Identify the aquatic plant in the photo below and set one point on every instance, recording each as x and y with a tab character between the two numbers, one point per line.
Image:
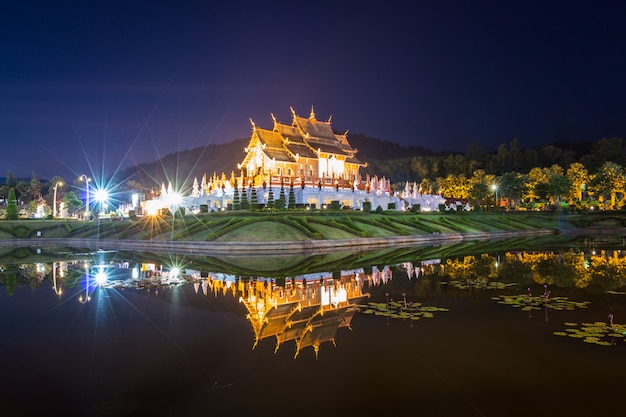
526	302
400	310
598	333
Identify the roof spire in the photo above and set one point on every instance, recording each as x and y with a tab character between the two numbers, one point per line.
312	115
293	113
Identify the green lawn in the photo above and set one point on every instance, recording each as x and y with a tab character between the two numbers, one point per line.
290	226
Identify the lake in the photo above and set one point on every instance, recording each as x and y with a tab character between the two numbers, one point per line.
484	329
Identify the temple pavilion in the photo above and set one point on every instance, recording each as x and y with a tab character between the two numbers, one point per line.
307	159
306	151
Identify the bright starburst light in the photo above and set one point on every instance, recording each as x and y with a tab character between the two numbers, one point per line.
101	276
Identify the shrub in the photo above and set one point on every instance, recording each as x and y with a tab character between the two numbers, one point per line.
11	213
280	203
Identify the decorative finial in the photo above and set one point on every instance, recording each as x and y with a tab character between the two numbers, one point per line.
293	113
312	115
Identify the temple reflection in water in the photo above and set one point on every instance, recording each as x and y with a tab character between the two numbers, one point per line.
307	309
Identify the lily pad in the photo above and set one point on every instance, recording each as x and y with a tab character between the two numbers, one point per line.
479	284
597	333
528	303
400	310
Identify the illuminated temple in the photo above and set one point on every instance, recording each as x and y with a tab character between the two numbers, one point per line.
307	311
306	158
307	151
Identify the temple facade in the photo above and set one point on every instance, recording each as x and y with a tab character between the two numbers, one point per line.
306	151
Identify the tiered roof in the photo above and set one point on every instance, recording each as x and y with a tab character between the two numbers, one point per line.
305	137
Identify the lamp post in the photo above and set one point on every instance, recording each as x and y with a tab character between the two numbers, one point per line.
494	187
86	179
54	203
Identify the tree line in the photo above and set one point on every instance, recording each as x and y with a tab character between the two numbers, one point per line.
586	175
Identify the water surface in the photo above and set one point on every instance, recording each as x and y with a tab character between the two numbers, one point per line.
187	348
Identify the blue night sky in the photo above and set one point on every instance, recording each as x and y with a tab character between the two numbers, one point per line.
91	86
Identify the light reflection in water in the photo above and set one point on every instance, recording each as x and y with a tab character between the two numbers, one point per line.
308	309
449	317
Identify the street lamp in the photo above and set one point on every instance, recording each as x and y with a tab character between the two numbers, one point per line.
54	204
102	197
494	187
86	179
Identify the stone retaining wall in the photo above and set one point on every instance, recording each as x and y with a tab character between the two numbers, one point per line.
303	247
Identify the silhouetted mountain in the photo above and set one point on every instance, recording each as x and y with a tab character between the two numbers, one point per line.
180	168
372	149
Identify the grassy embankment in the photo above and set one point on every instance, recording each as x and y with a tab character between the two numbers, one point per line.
298	226
289	226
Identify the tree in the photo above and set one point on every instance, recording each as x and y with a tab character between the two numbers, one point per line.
579	177
236	196
480	186
455	164
453	186
35	187
11	213
535	176
10	183
420	166
245	204
49	197
604	150
426	186
254	199
559	186
548	184
281	202
608	181
476	156
512	186
270	198
21	192
72	202
292	197
11	180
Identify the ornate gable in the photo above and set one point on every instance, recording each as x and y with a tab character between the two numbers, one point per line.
282	148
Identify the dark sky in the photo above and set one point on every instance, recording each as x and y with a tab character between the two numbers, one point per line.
87	87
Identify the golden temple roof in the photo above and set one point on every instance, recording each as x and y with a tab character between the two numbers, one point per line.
305	137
